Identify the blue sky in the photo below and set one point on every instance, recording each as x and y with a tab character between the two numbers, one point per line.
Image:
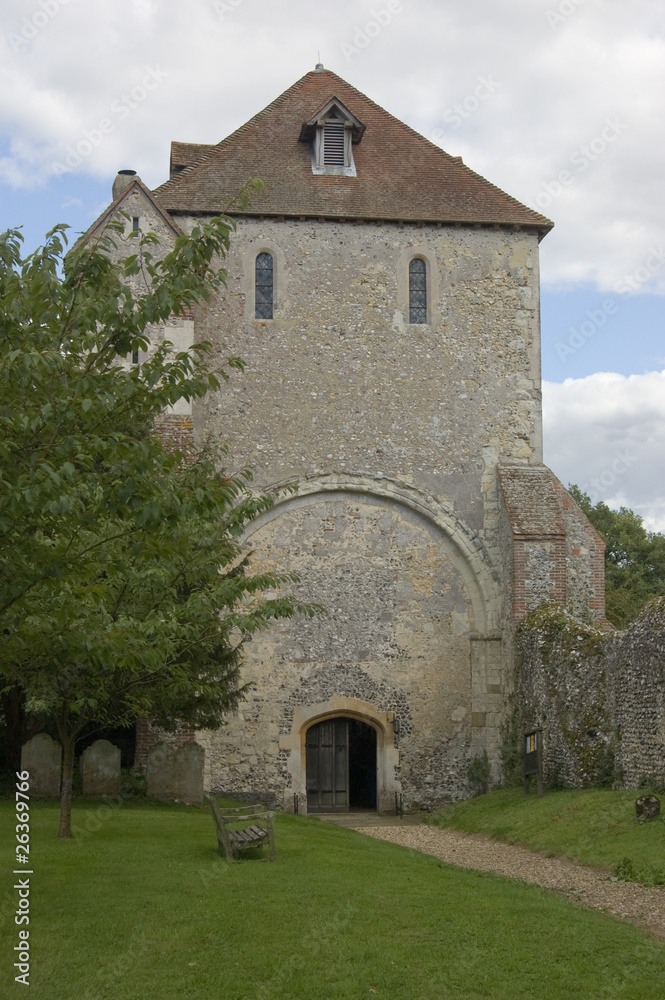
558	102
617	333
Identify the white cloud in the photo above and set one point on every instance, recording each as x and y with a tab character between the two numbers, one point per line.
606	433
559	86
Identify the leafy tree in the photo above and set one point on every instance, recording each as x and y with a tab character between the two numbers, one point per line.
123	587
634	558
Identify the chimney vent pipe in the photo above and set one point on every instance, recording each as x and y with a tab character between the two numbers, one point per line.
122	181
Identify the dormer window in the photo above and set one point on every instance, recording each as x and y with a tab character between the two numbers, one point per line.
331	135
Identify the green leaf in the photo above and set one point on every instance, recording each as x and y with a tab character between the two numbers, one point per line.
123	591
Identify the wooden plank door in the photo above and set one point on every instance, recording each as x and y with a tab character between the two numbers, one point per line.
327	750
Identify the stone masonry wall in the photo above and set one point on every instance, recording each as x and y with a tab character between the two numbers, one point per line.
585	561
556	555
339	381
560	687
396	636
636	681
599	697
175	426
339	384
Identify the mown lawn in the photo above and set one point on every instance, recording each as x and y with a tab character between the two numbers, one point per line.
594	827
143	907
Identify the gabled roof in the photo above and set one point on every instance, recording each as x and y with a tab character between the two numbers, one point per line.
116	206
333	106
400	174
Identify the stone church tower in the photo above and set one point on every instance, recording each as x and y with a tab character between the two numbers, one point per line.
385	299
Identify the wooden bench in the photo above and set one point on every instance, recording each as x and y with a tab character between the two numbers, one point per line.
232	840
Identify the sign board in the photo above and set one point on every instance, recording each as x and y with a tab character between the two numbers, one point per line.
533	759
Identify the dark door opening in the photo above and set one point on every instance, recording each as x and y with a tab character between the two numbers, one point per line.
341	766
362	765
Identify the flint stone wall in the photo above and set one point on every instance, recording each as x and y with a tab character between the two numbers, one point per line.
340	385
401	635
636	674
599	697
339	381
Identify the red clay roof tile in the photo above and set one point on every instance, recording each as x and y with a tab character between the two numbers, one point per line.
400	174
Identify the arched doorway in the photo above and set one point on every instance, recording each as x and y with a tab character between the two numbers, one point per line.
341	765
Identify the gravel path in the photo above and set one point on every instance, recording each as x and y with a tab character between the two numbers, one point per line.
587	886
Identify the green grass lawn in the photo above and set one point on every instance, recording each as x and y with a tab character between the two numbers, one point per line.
143	907
595	827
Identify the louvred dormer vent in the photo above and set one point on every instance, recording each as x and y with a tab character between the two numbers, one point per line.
331	135
333	143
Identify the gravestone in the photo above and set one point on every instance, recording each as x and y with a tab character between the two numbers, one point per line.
42	758
647	807
175	775
100	769
159	772
188	773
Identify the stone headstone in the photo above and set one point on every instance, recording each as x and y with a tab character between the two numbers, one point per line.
175	775
159	772
100	769
42	758
188	773
647	807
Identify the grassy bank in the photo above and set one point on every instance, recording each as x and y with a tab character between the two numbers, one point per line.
143	907
595	827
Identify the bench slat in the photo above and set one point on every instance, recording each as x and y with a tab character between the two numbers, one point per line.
244	836
233	841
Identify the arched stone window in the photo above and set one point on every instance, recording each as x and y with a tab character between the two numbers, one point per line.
263	286
417	291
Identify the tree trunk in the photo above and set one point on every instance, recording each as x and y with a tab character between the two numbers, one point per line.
68	744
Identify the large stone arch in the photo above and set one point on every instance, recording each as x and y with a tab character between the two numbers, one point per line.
464	545
432	660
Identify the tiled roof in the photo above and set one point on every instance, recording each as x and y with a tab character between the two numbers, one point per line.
400	174
186	154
